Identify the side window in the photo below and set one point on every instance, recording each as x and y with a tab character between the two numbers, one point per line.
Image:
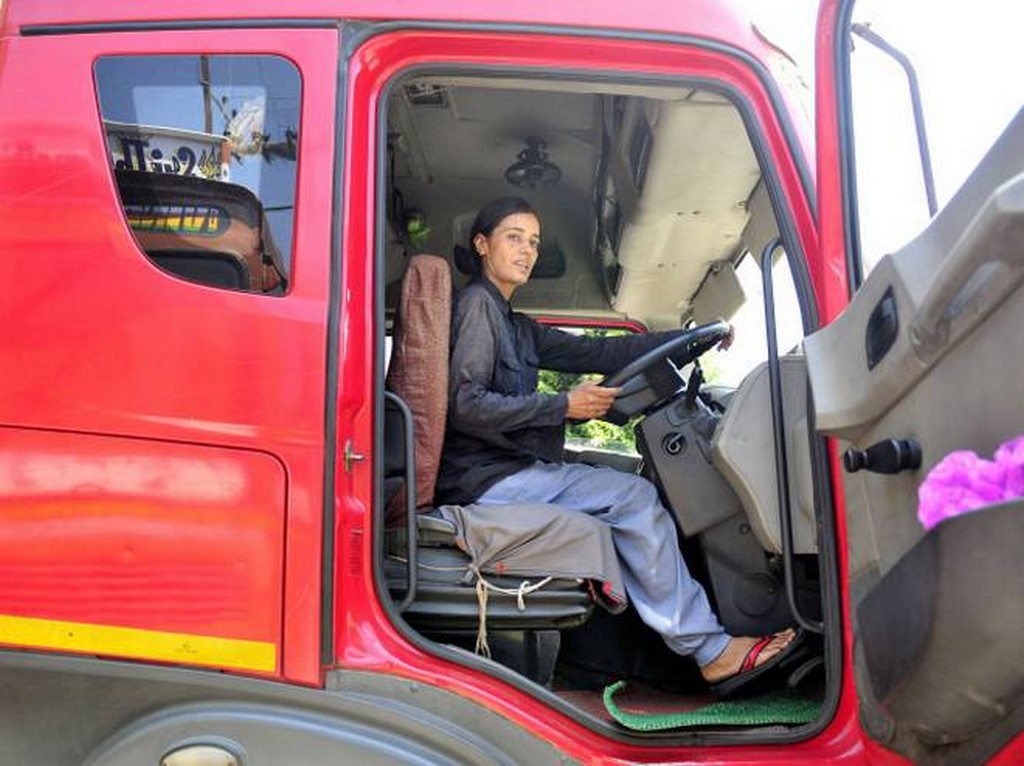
203	149
750	347
965	104
590	434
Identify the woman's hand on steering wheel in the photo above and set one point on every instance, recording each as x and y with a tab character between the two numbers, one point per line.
589	400
650	379
682	349
728	339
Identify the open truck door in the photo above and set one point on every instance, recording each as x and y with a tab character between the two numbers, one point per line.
924	361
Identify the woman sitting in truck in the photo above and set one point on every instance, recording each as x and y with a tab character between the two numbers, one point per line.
504	444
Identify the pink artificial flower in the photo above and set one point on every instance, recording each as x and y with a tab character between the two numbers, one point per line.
962	481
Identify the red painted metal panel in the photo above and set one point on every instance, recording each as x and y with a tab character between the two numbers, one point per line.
103	342
715	19
830	267
1010	755
142	534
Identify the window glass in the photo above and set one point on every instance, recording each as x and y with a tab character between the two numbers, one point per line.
204	151
750	346
590	434
961	58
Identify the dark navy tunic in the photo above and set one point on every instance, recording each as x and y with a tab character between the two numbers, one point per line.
497	421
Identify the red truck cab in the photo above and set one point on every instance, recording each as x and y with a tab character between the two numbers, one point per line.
207	215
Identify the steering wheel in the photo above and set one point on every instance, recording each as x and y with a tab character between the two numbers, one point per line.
652	378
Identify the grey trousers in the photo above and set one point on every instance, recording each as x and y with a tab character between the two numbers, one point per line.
667	598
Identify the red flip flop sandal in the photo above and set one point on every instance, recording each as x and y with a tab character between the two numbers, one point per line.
750	671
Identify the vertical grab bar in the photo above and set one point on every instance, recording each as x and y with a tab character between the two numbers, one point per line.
779	436
409	445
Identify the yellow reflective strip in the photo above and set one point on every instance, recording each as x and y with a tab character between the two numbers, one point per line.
137	643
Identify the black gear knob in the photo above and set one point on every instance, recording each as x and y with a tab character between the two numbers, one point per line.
887	456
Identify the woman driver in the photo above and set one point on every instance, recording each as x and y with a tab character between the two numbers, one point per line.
504	444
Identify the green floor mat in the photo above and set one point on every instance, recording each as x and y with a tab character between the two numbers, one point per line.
777	707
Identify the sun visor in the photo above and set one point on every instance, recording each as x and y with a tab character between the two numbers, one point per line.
720	295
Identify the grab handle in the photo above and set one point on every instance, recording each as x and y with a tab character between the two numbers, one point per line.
779	441
985	265
409	446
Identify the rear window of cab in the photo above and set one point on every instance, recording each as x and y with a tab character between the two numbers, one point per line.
204	152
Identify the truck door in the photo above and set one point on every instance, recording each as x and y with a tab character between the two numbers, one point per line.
162	444
918	381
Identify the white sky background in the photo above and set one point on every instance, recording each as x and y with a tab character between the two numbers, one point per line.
970	65
969	59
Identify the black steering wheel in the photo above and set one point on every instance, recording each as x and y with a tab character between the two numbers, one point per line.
652	378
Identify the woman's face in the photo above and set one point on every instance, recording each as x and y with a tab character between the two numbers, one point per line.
509	253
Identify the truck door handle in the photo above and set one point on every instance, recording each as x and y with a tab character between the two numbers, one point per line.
882	330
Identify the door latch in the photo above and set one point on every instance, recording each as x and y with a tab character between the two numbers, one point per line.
351	456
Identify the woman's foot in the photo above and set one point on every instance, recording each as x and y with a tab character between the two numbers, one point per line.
731	660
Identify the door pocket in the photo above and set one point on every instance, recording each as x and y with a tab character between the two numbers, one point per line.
940	633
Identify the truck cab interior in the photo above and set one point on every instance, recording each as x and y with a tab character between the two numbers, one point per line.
657	212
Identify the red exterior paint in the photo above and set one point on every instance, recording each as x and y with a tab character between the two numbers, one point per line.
713	19
829	269
95	527
236	371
